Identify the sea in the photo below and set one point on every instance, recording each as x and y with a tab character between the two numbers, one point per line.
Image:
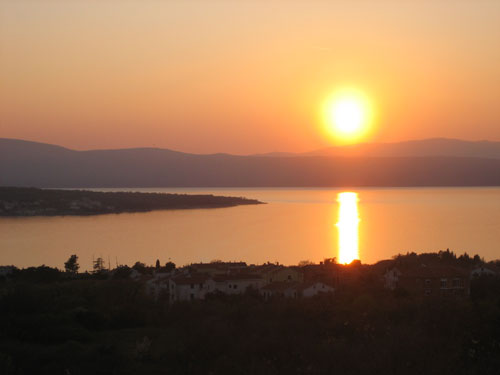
295	224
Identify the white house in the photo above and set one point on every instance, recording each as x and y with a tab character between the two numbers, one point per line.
280	289
237	283
314	288
484	270
295	290
158	285
191	287
391	278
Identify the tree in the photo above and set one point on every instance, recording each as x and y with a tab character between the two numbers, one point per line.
157	264
122	272
169	266
303	263
98	265
330	261
140	267
40	274
477	259
71	265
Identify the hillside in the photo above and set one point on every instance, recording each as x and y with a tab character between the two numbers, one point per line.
24	163
437	147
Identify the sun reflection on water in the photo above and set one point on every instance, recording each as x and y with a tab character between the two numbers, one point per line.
348	223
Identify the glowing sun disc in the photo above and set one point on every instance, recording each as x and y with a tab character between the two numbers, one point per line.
347	115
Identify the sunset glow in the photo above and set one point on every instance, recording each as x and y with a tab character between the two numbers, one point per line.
348	223
242	78
274	181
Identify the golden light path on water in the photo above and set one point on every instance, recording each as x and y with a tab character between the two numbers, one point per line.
348	223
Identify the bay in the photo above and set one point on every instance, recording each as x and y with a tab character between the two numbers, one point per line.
295	225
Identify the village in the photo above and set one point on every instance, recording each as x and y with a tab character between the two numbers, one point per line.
441	274
197	280
147	316
429	275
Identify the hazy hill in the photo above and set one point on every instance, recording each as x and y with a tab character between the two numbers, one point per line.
416	163
419	148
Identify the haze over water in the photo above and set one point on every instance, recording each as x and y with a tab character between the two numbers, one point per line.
295	225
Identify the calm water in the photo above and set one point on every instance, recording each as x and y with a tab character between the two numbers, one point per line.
295	225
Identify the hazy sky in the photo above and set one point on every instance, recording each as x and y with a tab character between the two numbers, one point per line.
244	76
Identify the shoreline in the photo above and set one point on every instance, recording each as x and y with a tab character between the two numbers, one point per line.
35	202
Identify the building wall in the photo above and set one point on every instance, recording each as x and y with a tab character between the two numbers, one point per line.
238	286
436	286
483	271
195	290
284	274
287	293
391	278
157	286
316	289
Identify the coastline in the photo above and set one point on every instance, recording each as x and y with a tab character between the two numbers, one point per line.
28	202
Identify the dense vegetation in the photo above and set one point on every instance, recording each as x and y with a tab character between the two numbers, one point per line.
55	323
15	201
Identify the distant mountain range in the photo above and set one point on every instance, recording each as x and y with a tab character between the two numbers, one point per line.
422	148
432	162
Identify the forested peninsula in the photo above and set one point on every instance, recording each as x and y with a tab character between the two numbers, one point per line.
17	201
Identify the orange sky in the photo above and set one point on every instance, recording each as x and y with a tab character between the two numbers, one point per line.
244	76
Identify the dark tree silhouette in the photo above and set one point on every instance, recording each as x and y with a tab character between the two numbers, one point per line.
71	265
169	266
122	272
98	265
140	267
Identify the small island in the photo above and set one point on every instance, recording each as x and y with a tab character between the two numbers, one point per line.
20	201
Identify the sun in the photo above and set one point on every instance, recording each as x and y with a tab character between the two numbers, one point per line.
347	115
